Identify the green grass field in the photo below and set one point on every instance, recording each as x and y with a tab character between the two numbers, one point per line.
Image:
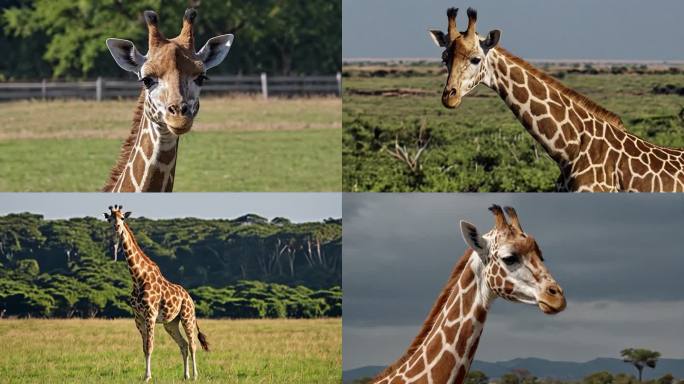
110	351
237	144
480	146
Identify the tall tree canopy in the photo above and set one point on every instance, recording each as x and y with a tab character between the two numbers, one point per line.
66	38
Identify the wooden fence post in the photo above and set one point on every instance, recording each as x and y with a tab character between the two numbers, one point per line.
98	89
43	89
264	86
339	84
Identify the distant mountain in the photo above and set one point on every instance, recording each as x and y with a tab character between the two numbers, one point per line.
564	370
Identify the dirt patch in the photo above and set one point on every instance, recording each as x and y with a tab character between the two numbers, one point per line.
392	92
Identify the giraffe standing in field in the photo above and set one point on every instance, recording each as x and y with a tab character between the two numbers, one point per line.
156	300
589	144
172	74
504	262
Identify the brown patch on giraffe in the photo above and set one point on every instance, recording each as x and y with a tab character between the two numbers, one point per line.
468	298
397	380
559	143
480	314
527	120
416	370
572	150
575	121
597	150
471	353
156	180
127	183
464	337
434	346
467	278
502	90
460	376
580	112
637	166
557	111
434	313
498	281
536	87
547	127
442	369
166	157
568	132
642	145
515	108
503	69
520	94
655	163
555	85
508	287
612	139
630	147
146	145
660	154
537	109
668	182
451	332
517	75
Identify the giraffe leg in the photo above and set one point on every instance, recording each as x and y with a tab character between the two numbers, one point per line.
188	322
174	331
149	343
140	324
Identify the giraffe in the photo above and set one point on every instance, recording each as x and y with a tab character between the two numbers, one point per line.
504	262
589	143
156	300
172	74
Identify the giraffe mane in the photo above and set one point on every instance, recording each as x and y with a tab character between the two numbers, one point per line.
583	101
128	144
141	253
432	317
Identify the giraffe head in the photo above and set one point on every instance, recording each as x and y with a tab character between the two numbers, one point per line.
464	55
513	264
116	218
172	72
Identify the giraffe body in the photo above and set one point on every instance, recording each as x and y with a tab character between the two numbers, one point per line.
172	74
506	263
155	300
589	143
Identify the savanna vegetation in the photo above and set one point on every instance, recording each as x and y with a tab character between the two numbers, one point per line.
65	38
273	351
248	267
397	136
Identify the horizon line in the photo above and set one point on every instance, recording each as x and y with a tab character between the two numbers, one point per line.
537	60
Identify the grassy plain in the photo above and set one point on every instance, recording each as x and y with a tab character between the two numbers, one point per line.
236	144
480	146
110	351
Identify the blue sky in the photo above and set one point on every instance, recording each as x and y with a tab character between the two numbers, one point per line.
532	29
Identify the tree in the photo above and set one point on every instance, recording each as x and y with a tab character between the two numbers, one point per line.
599	378
640	358
476	377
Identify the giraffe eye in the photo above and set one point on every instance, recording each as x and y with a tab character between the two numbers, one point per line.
200	80
148	82
510	260
475	60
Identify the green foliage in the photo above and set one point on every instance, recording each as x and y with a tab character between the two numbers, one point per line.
275	36
479	147
476	377
640	358
599	378
64	268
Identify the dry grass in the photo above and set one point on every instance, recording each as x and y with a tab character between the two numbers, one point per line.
111	119
109	351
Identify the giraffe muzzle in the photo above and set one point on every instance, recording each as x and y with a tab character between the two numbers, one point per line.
552	300
450	98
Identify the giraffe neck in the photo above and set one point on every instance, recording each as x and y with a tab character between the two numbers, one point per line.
139	265
148	157
558	118
444	349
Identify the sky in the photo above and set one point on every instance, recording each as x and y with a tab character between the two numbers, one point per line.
618	258
531	29
298	207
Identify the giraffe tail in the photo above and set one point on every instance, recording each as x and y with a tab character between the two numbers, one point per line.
202	338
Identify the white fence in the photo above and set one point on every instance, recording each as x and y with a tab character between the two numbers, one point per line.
101	89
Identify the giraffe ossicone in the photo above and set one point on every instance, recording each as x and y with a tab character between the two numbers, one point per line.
172	74
593	150
504	262
156	300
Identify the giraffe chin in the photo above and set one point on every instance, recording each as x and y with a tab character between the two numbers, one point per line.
179	126
551	310
451	102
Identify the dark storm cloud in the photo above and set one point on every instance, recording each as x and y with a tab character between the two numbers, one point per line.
618	258
541	29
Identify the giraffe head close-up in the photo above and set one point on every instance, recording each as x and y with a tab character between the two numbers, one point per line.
465	56
172	72
514	268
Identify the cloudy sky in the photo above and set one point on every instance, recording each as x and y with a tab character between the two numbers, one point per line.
298	207
619	259
533	29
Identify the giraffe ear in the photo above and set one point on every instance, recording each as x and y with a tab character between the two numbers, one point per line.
126	55
491	41
474	240
215	50
438	37
126	215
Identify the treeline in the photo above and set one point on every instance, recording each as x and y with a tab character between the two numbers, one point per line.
65	38
520	377
65	268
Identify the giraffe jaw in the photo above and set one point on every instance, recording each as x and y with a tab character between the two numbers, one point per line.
551	309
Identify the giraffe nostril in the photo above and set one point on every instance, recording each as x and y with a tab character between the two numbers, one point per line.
452	92
553	291
184	109
172	109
